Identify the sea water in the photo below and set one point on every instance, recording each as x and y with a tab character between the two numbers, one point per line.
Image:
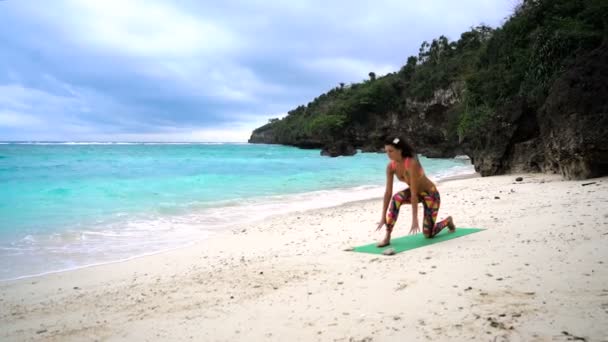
69	205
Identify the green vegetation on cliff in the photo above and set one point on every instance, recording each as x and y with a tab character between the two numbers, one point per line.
486	70
525	56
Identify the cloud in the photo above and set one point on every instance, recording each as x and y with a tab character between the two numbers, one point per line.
144	28
222	81
347	67
189	70
32	105
230	134
13	119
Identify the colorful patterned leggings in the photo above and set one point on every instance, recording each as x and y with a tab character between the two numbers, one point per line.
430	201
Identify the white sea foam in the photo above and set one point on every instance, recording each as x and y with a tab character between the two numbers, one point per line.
455	171
29	239
127	237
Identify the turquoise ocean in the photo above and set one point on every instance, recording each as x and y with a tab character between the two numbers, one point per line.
70	205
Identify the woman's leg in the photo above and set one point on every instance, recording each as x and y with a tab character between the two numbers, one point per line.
392	214
431	202
399	198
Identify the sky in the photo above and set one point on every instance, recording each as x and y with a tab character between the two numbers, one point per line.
200	71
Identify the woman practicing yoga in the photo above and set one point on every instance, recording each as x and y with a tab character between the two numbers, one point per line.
405	165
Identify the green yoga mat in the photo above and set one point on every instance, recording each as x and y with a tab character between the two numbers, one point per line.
408	242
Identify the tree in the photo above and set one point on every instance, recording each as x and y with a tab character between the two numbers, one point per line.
423	52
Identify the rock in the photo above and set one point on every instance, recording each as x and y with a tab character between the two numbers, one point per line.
365	339
574	121
389	251
566	132
518	179
507	140
263	135
338	149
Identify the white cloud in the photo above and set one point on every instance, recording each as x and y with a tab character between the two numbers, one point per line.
33	114
17	98
350	69
238	133
30	108
222	81
18	120
148	29
263	56
240	84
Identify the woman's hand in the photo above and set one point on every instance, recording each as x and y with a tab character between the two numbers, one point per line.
381	224
415	228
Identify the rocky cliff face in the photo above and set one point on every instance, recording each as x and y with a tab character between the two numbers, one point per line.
509	143
425	124
568	134
574	119
263	135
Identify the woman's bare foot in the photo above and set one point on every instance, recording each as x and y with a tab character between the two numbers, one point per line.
385	242
451	225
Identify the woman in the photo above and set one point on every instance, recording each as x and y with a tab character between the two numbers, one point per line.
405	165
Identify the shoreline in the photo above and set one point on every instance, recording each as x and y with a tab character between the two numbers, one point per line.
459	177
311	202
538	267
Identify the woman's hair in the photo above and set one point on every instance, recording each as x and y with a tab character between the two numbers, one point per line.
401	144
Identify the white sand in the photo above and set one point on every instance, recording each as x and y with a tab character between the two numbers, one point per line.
538	273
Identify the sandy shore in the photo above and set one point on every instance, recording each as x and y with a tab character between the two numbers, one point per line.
538	273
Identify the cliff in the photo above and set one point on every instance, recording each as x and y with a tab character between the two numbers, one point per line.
567	134
531	96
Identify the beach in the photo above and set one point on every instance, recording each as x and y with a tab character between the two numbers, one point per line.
536	273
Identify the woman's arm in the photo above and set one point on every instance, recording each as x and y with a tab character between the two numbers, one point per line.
388	193
414	171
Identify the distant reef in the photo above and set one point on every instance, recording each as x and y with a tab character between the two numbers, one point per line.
530	96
